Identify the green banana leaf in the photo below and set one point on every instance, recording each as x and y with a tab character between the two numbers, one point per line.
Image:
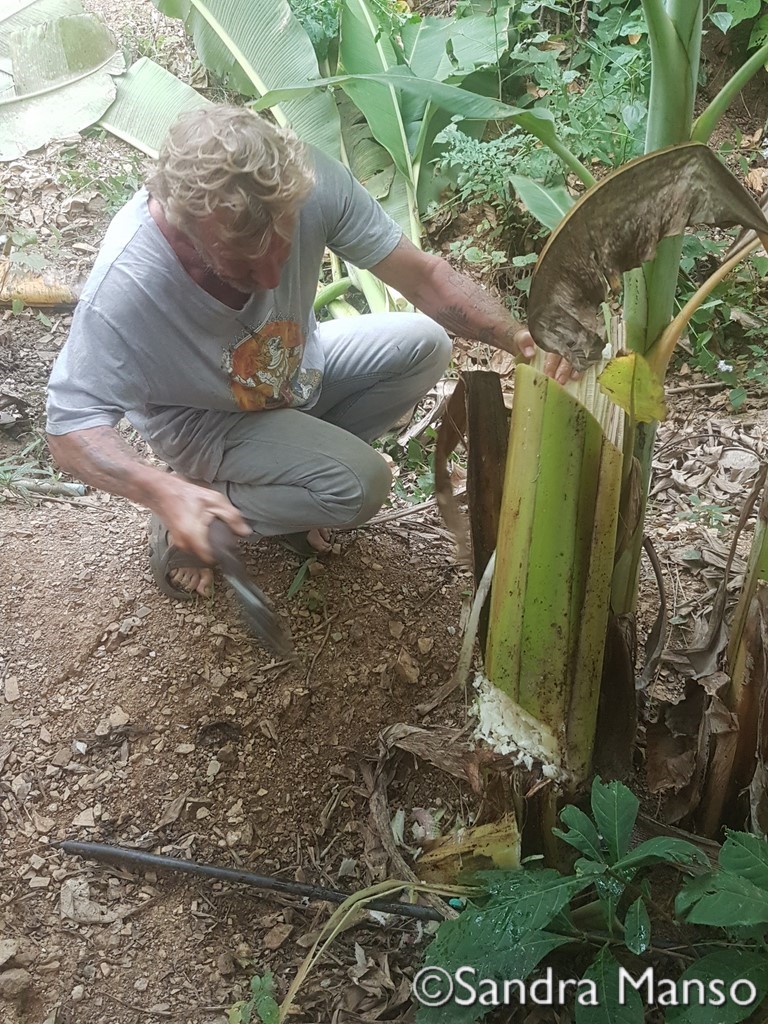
148	101
547	203
447	48
369	161
63	81
19	15
267	44
365	50
538	121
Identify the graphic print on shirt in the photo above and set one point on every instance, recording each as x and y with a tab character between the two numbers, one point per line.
264	367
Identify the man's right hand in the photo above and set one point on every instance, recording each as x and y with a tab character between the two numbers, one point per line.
187	510
101	458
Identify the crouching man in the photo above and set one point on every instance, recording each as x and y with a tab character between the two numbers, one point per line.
196	323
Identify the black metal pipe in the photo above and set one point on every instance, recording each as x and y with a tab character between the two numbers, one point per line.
123	855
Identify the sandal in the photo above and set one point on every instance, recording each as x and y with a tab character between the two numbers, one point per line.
298	544
164	557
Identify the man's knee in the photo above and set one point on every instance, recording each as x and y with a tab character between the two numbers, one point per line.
432	343
374	479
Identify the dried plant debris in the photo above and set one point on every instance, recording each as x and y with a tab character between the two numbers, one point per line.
617	226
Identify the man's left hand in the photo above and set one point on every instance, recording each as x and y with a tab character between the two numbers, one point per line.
555	366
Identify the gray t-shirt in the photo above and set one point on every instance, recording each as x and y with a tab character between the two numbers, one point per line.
149	343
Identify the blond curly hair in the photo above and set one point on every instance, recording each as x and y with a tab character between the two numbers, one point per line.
226	158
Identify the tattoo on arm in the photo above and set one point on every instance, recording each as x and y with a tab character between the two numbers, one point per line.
455	320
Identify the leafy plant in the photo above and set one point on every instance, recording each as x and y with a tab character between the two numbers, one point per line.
707	513
596	85
320	20
21	242
24	472
260	1007
415	479
729	14
116	187
605	921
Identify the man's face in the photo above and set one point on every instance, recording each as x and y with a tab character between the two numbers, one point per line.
246	274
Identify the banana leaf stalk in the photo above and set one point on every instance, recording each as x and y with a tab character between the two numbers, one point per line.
743	766
554	560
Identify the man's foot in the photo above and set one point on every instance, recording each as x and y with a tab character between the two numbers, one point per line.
317	541
320	540
178	573
192	581
197	580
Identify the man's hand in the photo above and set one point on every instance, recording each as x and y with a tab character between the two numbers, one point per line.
100	457
188	509
522	341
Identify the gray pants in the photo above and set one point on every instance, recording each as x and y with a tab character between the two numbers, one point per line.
288	470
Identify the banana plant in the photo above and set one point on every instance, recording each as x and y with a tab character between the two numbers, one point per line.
627	229
560	528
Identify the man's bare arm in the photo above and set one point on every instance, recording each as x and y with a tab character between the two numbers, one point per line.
101	458
458	304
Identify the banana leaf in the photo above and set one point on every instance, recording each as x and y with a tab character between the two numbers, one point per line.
617	226
19	15
149	99
260	46
365	49
63	81
470	106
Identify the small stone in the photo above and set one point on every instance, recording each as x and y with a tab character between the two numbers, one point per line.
214	767
14	983
8	950
118	717
39	882
141	984
11	690
202	812
184	748
406	669
425	644
396	628
225	964
85	819
276	936
77	993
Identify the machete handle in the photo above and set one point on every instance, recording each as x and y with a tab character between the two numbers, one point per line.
223	544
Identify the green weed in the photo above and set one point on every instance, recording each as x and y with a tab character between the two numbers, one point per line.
81	175
28	464
260	1007
718	517
415	481
607	915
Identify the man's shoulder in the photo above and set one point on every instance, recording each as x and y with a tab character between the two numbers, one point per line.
128	247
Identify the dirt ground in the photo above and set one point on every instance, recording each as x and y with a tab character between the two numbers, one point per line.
128	719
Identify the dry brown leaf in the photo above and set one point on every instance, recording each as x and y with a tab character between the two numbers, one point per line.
483	847
617	226
276	936
444	748
172	810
